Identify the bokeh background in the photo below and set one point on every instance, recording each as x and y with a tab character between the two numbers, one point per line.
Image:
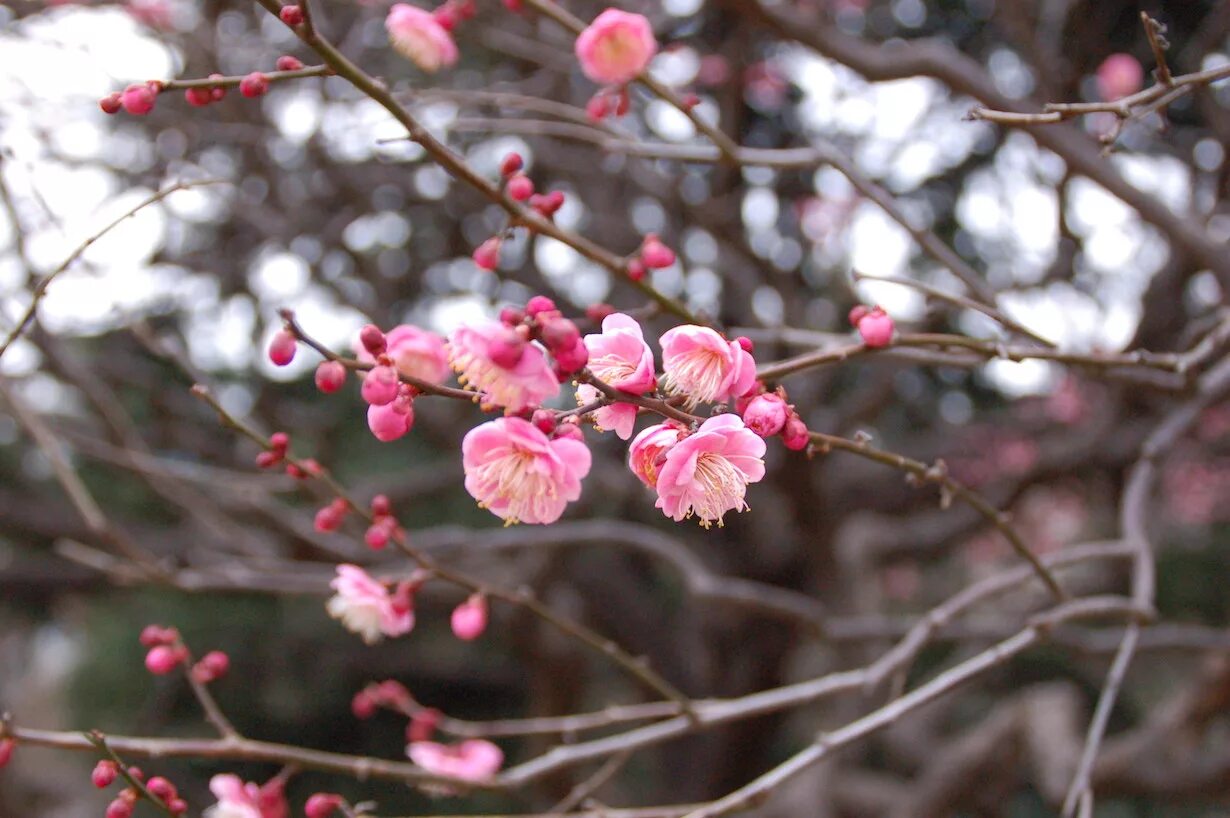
326	211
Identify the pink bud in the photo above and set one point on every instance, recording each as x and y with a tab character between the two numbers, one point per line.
876	327
571	430
363	705
423	724
219	91
794	434
746	343
766	414
162	660
373	339
547	204
104	774
162	789
560	334
282	348
291	15
279	442
330	517
378	533
469	619
597	312
544	419
573	359
690	101
199	97
506	350
177	806
445	17
254	85
1118	76
212	666
381	507
520	188
322	805
487	254
511	316
390	421
267	460
857	313
380	385
288	63
538	305
599	106
154	635
655	254
636	269
330	376
119	808
310	468
111	103
6	751
511	164
138	99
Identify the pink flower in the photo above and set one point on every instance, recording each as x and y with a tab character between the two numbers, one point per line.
235	798
366	607
619	355
418	353
648	451
619	418
704	366
616	47
418	36
876	328
472	760
520	475
706	474
526	382
1118	76
766	414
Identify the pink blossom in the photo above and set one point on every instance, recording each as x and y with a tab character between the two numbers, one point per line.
391	421
528	382
472	760
619	418
619	355
519	474
1118	76
706	474
647	454
418	36
366	607
469	619
616	47
766	414
417	353
235	798
876	328
704	366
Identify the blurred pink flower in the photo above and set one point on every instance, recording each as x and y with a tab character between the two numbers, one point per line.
472	760
615	47
418	36
520	475
235	798
706	474
1118	76
522	382
366	607
704	366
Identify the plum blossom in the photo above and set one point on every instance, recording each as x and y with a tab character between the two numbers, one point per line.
619	418
235	798
418	36
366	607
472	760
1118	76
615	47
704	366
648	451
706	474
416	353
480	355
519	474
619	355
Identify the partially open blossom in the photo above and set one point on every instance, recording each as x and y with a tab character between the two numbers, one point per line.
766	414
528	382
615	47
706	473
520	475
1118	76
469	619
415	352
648	451
418	36
366	607
703	366
619	418
619	355
138	99
876	328
472	760
392	420
236	799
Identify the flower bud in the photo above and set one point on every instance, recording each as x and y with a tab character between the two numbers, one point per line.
291	15
6	751
876	328
330	376
469	619
279	442
506	350
282	348
322	805
330	517
104	774
560	334
111	103
254	85
857	313
373	339
198	97
636	269
138	99
162	659
212	666
538	305
511	164
363	705
520	188
422	724
511	316
487	254
119	808
573	359
380	385
655	254
766	414
794	434
597	312
162	789
154	635
544	419
288	63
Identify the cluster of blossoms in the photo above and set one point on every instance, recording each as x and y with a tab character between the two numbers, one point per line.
139	98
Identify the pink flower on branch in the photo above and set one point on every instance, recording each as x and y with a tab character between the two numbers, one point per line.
366	607
615	47
235	798
648	452
418	36
706	474
519	474
417	353
617	417
515	376
704	366
471	760
619	355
